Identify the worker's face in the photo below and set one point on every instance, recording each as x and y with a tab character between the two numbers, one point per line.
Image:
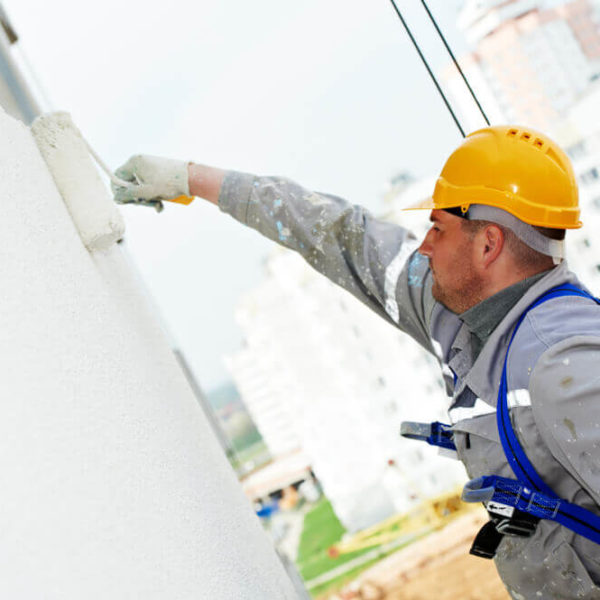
450	250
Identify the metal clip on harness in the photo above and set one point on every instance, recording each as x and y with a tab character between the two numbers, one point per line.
504	499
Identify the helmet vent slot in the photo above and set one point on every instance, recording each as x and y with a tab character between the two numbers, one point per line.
525	136
538	143
512	132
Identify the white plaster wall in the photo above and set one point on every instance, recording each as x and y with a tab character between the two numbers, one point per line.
111	483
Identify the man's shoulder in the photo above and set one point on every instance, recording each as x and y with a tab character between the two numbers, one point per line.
562	318
559	321
558	317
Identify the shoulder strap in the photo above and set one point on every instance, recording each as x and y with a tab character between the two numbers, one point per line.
518	460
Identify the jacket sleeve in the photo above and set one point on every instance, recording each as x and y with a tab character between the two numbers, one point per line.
374	260
565	397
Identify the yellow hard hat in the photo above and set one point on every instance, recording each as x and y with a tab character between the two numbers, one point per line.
513	168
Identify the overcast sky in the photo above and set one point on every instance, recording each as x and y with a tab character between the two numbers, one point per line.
328	92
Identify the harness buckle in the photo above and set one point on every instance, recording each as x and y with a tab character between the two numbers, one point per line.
488	538
520	524
486	541
441	435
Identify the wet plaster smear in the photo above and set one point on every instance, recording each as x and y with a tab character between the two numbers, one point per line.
112	483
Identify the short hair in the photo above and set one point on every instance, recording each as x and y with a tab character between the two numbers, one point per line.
523	254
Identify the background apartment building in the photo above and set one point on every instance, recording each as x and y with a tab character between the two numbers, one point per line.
530	59
322	372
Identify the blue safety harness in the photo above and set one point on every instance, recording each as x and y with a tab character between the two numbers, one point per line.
527	499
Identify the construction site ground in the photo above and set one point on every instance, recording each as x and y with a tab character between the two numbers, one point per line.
438	566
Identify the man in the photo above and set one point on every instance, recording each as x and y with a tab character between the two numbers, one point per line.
499	213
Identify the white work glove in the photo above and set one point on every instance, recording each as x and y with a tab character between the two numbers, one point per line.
148	180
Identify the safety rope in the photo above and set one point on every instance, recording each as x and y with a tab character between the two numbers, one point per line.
455	61
435	81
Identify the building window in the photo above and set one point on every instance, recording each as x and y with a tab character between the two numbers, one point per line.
576	150
590	176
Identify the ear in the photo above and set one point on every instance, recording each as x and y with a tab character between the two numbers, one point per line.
490	245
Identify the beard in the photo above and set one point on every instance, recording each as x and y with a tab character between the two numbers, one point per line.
462	288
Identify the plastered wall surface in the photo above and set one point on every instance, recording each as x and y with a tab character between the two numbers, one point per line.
112	484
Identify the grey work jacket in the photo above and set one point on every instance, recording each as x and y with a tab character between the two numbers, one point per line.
553	367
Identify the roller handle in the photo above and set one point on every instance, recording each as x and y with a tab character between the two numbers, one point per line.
182	200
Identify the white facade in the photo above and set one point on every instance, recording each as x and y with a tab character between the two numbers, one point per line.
342	380
113	485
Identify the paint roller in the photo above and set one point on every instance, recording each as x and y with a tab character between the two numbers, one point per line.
67	155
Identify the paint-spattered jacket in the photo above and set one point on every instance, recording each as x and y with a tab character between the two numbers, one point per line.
553	366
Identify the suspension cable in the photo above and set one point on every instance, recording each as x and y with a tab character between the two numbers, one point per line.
437	85
455	61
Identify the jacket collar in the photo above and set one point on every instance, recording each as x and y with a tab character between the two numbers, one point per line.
483	376
485	316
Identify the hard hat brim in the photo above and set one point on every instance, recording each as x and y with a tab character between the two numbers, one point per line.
529	212
427	204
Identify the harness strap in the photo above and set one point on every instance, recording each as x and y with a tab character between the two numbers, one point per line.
528	496
435	434
530	493
508	492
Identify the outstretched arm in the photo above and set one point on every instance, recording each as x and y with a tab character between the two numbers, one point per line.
205	182
373	259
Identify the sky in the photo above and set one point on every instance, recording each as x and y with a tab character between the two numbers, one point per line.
328	92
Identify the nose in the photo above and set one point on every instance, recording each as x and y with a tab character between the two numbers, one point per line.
426	248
